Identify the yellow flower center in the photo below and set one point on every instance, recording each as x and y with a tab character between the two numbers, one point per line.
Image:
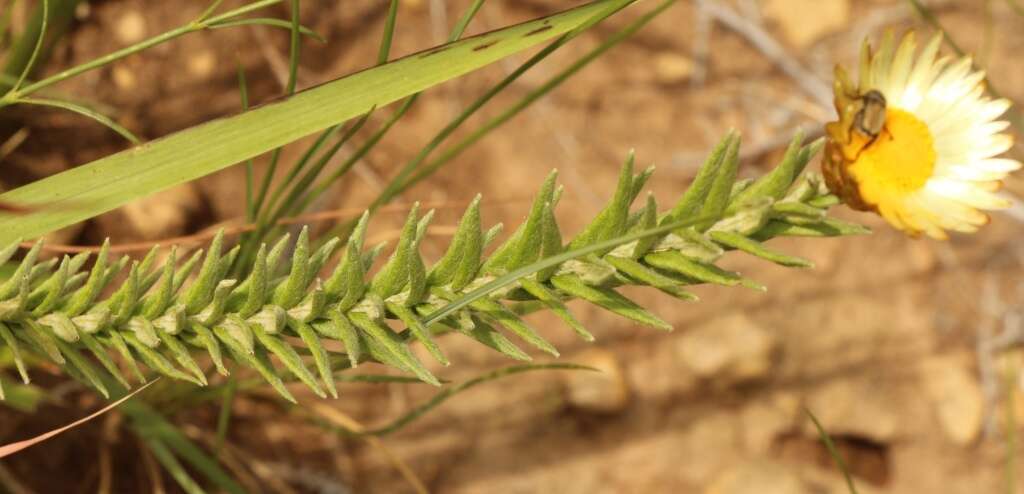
898	162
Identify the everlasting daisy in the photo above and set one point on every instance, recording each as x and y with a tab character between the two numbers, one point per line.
917	141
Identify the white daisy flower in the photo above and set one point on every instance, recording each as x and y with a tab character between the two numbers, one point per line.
917	141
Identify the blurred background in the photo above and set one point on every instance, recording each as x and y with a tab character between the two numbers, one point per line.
906	350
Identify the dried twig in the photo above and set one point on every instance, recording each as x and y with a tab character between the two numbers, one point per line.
766	44
703	27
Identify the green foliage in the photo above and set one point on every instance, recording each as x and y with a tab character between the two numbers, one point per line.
155	317
112	181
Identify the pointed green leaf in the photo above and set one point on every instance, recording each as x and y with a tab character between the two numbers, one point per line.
8	252
395	273
639	180
19	362
239	330
320	357
792	211
182	273
830	227
693	200
61	326
776	182
492	233
648	219
209	341
649	277
115	340
348	335
510	321
346	283
41	338
144	331
611	221
706	273
291	360
76	359
257	360
53	288
156	303
518	245
608	299
277	254
486	334
148	276
123	301
182	356
320	258
97	350
10	287
290	292
392	345
551	240
718	195
461	261
737	241
199	293
255	286
552	302
417	272
215	310
421	332
156	361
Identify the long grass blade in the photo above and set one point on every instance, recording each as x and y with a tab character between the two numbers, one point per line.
833	452
36	49
449	154
112	181
88	112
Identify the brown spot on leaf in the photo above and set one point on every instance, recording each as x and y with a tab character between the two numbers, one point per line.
486	45
538	30
435	51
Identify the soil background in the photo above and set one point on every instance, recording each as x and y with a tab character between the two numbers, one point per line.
889	341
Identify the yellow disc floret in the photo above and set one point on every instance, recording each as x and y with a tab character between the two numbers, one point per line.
898	162
916	140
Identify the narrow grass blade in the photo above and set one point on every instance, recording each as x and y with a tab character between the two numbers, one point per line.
833	452
102	185
173	466
87	112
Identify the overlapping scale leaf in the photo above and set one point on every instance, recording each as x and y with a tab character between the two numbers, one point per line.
94	316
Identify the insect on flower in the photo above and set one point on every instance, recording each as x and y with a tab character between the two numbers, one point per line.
916	140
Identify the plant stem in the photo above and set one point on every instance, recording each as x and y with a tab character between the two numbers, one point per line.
136	48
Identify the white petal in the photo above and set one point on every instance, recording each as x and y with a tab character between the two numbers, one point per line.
966	193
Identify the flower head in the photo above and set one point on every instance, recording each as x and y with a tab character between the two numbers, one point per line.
917	141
